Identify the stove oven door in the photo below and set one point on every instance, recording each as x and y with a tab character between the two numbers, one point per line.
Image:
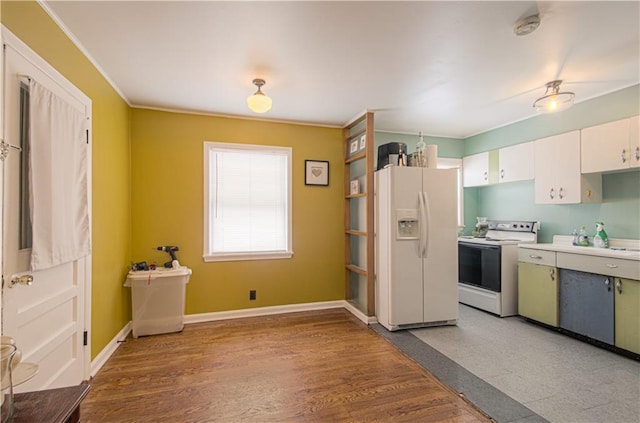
479	265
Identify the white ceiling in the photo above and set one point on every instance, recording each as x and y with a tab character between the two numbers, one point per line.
445	68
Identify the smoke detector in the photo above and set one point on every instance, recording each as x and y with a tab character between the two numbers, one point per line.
526	26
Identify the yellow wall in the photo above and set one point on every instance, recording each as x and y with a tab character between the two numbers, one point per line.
160	201
167	209
111	225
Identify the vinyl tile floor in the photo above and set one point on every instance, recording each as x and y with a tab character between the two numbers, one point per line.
559	378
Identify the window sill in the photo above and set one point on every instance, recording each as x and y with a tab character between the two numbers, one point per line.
269	255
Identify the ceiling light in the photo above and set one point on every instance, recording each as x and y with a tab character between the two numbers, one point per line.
526	25
258	102
553	100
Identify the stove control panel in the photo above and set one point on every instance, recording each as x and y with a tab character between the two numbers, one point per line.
513	226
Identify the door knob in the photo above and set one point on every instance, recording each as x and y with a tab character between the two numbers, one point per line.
21	280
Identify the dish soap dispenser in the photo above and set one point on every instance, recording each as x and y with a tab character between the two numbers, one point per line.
600	239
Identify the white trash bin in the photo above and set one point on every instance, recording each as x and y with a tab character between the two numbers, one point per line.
157	300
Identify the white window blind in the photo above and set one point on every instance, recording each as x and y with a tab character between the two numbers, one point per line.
248	202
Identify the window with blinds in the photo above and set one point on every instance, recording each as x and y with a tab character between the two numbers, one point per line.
247	202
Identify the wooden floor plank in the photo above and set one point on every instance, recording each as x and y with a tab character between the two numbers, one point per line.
318	366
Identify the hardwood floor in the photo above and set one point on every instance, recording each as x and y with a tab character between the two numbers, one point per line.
321	366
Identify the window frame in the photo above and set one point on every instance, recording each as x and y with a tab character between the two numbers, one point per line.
210	256
452	163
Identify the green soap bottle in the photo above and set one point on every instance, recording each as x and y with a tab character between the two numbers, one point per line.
600	239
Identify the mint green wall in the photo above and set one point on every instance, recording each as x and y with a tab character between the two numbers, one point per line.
619	210
617	105
447	147
620	207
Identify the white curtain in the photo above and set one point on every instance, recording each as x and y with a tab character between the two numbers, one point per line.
58	180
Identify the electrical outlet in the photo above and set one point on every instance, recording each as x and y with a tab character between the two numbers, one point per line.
252	294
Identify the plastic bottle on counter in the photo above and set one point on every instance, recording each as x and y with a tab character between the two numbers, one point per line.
583	238
600	239
575	240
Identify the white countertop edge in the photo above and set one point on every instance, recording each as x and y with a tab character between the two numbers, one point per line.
563	243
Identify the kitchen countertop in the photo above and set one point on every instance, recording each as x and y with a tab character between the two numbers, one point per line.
563	244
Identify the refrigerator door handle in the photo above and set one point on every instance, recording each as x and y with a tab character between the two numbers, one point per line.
422	223
425	232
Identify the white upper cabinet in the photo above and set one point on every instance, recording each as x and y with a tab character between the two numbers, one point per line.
516	163
634	141
611	146
475	170
558	179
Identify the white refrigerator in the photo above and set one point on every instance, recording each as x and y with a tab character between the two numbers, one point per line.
416	247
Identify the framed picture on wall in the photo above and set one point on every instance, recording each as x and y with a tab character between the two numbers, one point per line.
363	142
316	172
353	147
355	187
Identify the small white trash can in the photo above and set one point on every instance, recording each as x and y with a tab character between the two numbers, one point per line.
157	300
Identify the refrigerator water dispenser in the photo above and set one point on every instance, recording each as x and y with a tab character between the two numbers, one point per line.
407	224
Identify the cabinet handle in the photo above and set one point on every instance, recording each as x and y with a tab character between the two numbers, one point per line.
637	154
612	266
623	155
552	274
502	173
619	286
535	257
551	193
485	176
561	193
607	283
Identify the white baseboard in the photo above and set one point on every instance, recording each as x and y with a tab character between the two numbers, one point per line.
113	345
108	351
261	311
360	315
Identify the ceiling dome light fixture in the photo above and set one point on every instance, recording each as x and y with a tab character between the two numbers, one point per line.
258	102
526	26
553	100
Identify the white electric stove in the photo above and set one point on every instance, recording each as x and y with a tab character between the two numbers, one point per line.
488	267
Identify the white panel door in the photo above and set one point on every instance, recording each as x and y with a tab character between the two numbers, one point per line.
440	265
405	288
47	319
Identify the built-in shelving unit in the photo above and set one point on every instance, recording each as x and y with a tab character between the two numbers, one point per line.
358	214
